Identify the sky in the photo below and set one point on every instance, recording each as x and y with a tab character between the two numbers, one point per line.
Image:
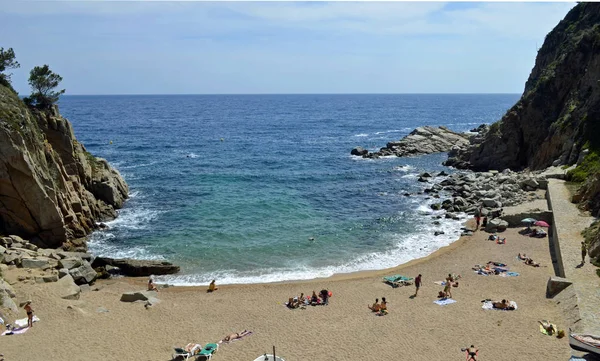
151	47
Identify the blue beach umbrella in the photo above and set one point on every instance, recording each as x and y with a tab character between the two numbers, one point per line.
528	220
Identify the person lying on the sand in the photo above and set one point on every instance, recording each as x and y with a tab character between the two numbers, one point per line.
442	294
375	307
472	352
548	327
522	257
493	237
531	263
235	336
502	305
501	240
293	302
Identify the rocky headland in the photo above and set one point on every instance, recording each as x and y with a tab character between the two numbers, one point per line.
422	140
54	193
556	122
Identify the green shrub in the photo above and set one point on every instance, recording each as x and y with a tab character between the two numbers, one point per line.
589	166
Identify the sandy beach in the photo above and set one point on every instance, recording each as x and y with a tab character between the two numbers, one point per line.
415	329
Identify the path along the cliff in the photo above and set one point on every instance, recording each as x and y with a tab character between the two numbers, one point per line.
569	221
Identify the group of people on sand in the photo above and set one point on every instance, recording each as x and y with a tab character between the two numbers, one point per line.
451	281
379	308
316	299
533	232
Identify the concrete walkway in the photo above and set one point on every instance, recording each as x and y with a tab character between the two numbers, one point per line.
568	223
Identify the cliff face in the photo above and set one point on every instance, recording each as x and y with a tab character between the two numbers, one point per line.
52	191
558	114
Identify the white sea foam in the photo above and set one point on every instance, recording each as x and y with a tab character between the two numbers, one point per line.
133	166
404	168
192	155
390	131
361	135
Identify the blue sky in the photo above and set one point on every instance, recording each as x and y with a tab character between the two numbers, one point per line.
119	47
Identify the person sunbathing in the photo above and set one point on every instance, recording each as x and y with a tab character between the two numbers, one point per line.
501	240
493	237
193	348
375	307
302	299
502	305
293	302
235	336
522	257
383	307
531	263
314	299
472	352
548	327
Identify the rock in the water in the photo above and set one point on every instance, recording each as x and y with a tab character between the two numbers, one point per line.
423	140
137	268
67	288
359	151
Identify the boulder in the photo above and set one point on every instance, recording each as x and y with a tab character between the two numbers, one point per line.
360	151
491	203
496	224
137	268
34	262
67	288
46	278
83	274
62	272
6	302
149	296
6	288
70	263
531	183
83	255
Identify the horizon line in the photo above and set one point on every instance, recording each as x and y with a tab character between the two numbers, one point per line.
250	94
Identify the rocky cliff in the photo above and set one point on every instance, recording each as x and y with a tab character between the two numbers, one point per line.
52	191
558	114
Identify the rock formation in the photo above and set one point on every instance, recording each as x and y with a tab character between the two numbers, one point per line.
52	191
422	140
557	115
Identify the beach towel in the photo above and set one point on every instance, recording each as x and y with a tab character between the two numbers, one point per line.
441	283
23	322
575	358
15	331
444	301
489	305
509	274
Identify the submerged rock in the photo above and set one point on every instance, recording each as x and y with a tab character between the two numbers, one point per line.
137	268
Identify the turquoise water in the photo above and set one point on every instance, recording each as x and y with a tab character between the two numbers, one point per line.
234	187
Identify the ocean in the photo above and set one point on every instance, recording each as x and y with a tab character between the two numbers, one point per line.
262	188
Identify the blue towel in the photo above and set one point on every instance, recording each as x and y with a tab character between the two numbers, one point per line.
512	274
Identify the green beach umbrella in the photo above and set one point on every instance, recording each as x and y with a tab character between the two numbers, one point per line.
528	220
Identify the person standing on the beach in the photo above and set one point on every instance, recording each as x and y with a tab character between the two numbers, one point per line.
29	311
583	252
417	284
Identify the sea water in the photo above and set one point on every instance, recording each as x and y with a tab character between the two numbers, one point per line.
262	188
